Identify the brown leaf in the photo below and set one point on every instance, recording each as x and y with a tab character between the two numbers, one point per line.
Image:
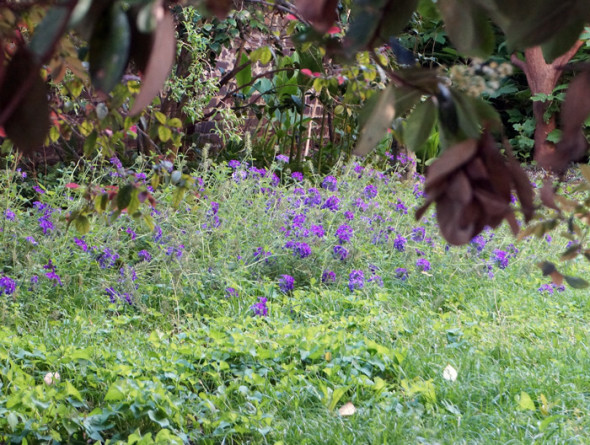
448	214
451	159
459	188
320	13
220	8
495	166
160	62
476	170
492	203
28	124
522	185
576	107
548	194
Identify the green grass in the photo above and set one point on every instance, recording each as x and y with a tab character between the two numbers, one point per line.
186	363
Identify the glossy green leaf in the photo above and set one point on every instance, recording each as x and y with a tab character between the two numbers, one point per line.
109	49
124	196
379	120
468	26
262	55
419	125
244	76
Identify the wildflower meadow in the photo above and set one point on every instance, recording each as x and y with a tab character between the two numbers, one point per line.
276	307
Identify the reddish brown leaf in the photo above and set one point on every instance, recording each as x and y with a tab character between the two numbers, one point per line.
492	203
576	107
459	189
512	222
320	13
27	126
495	166
160	62
451	159
521	183
548	195
448	214
476	170
219	8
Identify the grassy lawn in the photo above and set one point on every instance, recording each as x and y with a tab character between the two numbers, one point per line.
272	309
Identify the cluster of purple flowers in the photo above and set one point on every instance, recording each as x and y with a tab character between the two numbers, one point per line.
400	243
115	296
10	215
356	280
52	274
422	264
260	308
286	283
370	191
328	277
7	285
299	249
550	288
330	183
344	233
332	204
340	252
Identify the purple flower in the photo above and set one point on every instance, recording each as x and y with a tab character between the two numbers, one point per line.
7	285
34	279
144	255
260	308
501	258
401	273
330	183
548	238
31	240
423	264
38	189
401	207
314	198
400	243
376	279
328	276
297	176
298	220
300	249
380	238
131	233
286	283
176	251
356	280
340	253
157	234
479	242
370	191
282	158
318	230
231	292
349	215
331	204
344	233
107	258
361	205
234	163
52	274
81	244
260	253
549	288
418	234
45	224
115	162
9	214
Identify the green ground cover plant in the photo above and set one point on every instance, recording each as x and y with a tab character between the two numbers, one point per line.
276	307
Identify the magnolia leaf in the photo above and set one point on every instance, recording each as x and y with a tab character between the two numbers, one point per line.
378	122
28	124
468	27
160	62
48	32
450	373
348	409
109	48
419	125
244	76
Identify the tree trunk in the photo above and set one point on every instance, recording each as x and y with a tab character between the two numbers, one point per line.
542	77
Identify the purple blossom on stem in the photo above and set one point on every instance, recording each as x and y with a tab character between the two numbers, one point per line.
31	240
400	243
330	183
231	292
331	204
418	234
234	163
144	255
370	191
328	276
356	280
52	274
260	308
7	285
501	258
81	243
286	283
131	233
9	214
300	249
282	158
349	215
340	252
297	176
401	273
318	230
344	233
423	264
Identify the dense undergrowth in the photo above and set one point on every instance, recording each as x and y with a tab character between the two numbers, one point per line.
268	301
